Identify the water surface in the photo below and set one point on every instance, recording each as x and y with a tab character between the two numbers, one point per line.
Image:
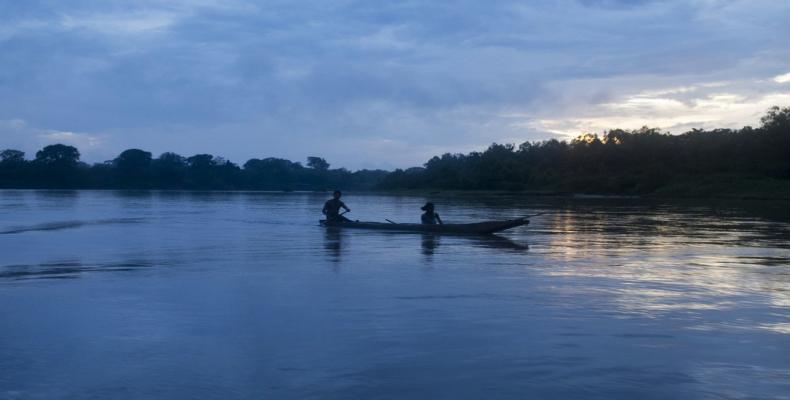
242	295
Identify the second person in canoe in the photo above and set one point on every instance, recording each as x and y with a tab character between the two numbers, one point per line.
430	216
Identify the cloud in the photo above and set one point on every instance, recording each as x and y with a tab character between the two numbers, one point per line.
121	23
674	109
12	124
14	28
348	80
81	140
17	133
784	78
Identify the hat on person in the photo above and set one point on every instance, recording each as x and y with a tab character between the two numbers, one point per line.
427	206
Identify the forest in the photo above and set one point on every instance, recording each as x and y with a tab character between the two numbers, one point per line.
750	160
58	166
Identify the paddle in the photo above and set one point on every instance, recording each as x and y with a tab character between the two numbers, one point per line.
337	217
389	221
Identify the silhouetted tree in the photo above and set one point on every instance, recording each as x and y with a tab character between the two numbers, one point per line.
776	125
58	155
204	171
317	163
777	119
13	168
12	156
227	175
200	171
133	169
170	171
56	166
273	174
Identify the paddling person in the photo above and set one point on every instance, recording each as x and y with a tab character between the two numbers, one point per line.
332	208
430	217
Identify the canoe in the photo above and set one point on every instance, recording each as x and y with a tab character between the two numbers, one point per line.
477	228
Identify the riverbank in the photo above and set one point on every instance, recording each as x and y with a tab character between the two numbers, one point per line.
698	187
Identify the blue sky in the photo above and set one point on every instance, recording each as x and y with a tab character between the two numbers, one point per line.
378	84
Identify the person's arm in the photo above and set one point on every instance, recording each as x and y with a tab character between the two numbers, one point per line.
324	209
438	219
344	206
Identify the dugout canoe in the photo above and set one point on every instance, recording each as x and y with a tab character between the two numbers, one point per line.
475	228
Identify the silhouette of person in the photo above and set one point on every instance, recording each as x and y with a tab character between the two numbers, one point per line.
430	217
332	208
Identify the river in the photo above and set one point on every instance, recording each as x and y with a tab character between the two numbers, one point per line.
129	295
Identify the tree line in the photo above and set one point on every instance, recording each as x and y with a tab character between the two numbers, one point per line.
59	166
618	162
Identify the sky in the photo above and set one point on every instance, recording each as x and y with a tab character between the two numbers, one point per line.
369	84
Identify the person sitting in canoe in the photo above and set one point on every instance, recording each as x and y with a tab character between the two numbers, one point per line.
332	208
430	217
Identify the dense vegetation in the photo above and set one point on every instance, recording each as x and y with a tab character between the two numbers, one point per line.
59	166
623	162
721	161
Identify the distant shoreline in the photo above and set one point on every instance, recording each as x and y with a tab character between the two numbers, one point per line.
745	196
750	163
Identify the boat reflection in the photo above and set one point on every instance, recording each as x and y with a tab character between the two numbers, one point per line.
499	242
431	242
496	242
336	242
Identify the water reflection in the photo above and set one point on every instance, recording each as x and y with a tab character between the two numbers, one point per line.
60	225
69	269
333	244
429	245
336	240
499	242
662	262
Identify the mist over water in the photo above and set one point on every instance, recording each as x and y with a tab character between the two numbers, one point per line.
109	294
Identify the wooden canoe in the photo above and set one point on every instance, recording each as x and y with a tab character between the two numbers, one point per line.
476	228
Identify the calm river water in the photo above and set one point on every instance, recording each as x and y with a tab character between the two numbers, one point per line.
131	295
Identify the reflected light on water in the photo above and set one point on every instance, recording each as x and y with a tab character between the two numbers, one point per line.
670	263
